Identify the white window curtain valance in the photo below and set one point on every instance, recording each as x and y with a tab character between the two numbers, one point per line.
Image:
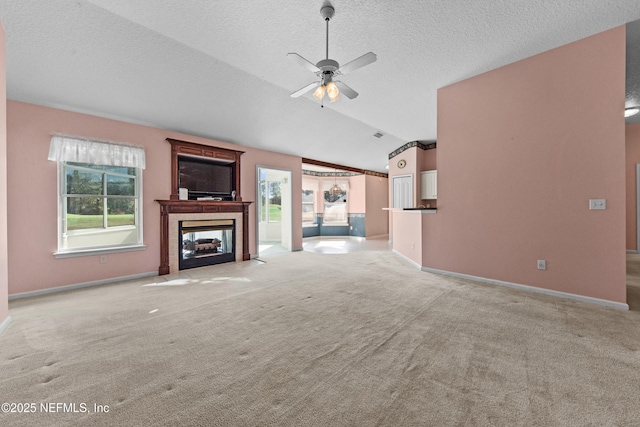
328	183
71	149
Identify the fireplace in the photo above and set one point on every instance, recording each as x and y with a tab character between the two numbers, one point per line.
205	242
216	241
173	212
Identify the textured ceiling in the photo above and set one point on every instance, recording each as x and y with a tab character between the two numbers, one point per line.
633	69
218	68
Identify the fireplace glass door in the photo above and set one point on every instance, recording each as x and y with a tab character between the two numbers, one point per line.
206	242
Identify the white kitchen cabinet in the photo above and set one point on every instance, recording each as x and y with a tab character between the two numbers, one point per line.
429	185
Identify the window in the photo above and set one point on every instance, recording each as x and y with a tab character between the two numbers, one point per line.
335	203
335	209
310	190
308	211
100	205
271	200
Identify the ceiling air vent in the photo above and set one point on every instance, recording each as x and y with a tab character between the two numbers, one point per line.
378	134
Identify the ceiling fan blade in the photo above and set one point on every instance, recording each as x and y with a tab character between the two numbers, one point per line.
303	62
305	89
346	90
360	62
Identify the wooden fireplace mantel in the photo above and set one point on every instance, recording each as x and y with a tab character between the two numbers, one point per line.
168	207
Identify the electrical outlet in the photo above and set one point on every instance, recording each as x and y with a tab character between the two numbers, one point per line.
103	259
597	204
542	264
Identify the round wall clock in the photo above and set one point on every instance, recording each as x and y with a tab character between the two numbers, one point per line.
402	163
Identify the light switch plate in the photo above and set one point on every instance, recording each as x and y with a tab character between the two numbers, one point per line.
597	204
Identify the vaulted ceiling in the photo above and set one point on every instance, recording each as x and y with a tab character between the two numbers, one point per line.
219	68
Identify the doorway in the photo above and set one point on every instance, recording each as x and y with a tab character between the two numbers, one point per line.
274	211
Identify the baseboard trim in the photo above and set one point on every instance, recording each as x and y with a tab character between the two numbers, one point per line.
406	258
378	236
360	238
581	298
559	294
631	251
41	292
5	324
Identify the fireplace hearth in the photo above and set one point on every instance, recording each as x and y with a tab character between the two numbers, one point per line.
206	242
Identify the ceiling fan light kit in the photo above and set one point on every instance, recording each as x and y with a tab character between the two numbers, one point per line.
326	69
631	111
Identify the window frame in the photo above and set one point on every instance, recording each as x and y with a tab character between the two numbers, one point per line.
312	203
63	196
336	203
266	209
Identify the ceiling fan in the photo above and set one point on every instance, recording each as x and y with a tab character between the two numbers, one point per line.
326	69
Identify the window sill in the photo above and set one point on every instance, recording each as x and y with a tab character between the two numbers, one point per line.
308	224
97	251
98	231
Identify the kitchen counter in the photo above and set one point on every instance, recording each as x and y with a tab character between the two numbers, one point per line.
420	209
412	210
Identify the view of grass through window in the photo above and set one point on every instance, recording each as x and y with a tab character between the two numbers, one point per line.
93	190
78	222
272	213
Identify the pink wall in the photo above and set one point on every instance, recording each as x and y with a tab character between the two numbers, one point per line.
428	159
357	194
4	275
407	224
632	135
250	159
377	220
32	195
521	150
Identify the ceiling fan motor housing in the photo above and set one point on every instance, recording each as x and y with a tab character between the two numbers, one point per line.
328	65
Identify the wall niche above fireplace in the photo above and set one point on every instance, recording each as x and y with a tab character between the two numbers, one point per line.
204	171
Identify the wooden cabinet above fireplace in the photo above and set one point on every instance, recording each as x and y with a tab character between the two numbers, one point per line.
224	161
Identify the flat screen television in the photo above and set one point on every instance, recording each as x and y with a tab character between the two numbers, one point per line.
206	178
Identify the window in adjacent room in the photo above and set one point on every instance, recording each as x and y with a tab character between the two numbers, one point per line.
308	211
335	204
100	196
271	201
335	210
310	188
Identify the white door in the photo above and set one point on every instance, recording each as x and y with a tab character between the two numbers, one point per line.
403	191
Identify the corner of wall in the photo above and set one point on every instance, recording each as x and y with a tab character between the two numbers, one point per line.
4	275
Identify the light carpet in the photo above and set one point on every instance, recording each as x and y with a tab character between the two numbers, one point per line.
305	339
